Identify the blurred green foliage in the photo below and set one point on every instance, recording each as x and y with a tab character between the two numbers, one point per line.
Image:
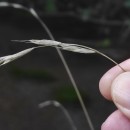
50	6
66	93
105	43
85	14
127	3
33	74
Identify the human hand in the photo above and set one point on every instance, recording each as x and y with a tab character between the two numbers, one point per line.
115	86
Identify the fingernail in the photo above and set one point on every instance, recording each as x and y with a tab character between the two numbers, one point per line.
121	91
124	110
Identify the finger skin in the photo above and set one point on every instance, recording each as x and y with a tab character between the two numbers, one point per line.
120	91
106	81
116	121
111	87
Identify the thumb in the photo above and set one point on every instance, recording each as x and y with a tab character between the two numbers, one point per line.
120	92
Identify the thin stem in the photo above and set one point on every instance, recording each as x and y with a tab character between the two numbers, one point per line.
100	53
32	11
61	107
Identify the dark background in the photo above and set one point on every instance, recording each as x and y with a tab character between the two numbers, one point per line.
40	76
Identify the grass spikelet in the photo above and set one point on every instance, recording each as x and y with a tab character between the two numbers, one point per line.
69	47
7	59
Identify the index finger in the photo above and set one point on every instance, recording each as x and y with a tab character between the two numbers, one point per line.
107	79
